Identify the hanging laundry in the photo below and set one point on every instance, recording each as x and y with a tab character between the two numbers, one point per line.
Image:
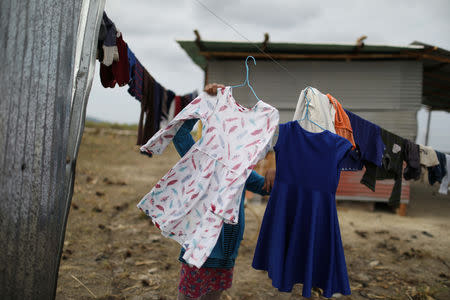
299	240
412	158
369	144
101	40
171	110
320	111
341	121
136	83
186	99
203	190
120	65
119	71
165	108
178	108
443	189
391	168
158	91
109	47
428	157
145	126
131	64
436	173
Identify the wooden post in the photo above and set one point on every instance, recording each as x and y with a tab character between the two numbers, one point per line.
38	57
401	211
428	126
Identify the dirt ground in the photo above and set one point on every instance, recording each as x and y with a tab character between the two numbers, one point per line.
112	250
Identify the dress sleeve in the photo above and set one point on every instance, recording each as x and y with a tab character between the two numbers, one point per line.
343	146
200	108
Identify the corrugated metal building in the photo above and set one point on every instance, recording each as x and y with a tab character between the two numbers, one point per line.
383	84
47	55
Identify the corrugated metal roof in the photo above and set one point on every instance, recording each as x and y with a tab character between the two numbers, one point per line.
195	49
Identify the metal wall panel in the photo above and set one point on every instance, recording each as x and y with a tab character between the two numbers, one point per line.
387	93
37	40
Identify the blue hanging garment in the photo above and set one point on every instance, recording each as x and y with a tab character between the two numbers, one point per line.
300	240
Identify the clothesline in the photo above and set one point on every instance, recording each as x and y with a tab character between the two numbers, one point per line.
159	106
299	240
409	169
120	66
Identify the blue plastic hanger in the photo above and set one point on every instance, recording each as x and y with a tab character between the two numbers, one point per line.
247	82
306	117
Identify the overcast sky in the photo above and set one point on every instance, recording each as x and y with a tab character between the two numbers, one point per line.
151	29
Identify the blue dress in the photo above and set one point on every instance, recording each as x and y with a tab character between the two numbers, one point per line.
300	240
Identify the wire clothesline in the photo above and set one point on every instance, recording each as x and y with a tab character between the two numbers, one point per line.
245	38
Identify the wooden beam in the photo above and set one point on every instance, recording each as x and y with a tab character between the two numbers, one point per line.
198	40
401	210
266	41
428	127
360	42
223	54
347	56
436	58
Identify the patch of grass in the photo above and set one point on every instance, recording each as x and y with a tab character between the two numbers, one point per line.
111	125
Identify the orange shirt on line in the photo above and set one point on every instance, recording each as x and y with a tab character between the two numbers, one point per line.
342	122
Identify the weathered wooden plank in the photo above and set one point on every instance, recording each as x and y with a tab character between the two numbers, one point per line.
38	40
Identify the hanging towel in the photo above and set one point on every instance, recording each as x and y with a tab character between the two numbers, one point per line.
320	111
203	190
428	157
341	121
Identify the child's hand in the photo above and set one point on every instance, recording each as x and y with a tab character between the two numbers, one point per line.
212	88
268	180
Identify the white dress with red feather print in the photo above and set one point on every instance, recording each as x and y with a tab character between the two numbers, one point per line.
203	190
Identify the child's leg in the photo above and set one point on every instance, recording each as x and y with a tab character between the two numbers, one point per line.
183	297
214	295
